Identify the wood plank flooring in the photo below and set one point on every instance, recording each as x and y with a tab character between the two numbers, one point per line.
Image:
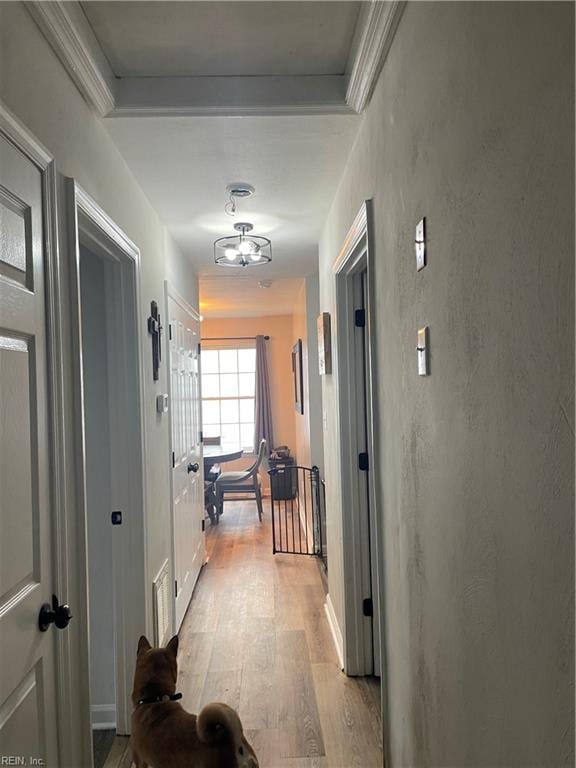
256	637
102	741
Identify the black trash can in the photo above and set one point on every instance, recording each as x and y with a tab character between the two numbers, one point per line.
283	482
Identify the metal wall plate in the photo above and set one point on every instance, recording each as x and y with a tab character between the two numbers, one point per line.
420	244
422	351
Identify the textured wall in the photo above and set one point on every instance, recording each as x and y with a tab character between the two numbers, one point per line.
472	125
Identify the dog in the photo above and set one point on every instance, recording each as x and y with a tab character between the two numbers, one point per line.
164	735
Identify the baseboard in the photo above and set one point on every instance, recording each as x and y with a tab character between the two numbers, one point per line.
103	716
335	630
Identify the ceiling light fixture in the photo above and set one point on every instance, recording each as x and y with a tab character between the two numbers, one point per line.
244	249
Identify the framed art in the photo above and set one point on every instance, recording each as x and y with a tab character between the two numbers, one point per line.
297	376
324	344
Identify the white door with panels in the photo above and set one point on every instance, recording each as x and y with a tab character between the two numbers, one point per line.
187	465
28	724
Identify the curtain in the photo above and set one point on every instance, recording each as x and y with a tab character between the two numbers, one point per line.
263	426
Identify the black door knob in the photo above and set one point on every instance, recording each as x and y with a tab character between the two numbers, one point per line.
57	614
193	467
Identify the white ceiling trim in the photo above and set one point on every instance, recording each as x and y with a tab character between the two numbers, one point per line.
375	33
201	96
67	30
65	27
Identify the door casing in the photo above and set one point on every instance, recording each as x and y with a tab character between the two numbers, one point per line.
90	225
356	256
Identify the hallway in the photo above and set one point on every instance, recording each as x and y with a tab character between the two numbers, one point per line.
256	637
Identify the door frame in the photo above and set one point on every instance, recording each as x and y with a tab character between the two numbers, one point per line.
171	293
356	256
90	226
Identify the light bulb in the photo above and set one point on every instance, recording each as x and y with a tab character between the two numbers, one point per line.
246	247
230	253
256	256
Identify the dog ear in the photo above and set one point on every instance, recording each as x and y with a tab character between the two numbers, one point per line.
173	646
143	645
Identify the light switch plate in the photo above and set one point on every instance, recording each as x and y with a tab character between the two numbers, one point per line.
420	244
422	351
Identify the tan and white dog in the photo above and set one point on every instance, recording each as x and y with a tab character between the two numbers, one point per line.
164	735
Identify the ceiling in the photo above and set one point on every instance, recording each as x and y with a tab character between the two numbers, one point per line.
295	164
175	39
239	295
184	163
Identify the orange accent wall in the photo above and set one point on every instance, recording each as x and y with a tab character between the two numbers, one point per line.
279	347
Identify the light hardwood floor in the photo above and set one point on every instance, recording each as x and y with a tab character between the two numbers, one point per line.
256	637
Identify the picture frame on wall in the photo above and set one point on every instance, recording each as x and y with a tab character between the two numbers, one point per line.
298	377
324	344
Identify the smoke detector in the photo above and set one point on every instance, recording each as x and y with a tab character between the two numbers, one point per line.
237	191
265	283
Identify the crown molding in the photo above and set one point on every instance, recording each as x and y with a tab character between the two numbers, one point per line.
375	33
224	110
230	96
21	137
67	30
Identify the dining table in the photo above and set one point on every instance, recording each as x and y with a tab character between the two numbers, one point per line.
218	454
215	454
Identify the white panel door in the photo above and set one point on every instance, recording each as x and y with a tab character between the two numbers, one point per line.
188	473
27	656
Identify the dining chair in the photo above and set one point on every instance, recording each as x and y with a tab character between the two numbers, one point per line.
246	482
214	472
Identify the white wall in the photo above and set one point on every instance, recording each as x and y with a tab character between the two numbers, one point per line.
471	125
314	380
179	272
309	447
98	491
301	449
34	85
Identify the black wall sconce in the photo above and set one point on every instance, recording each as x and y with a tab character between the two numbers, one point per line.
155	330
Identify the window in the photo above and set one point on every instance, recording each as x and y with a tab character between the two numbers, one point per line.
228	390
